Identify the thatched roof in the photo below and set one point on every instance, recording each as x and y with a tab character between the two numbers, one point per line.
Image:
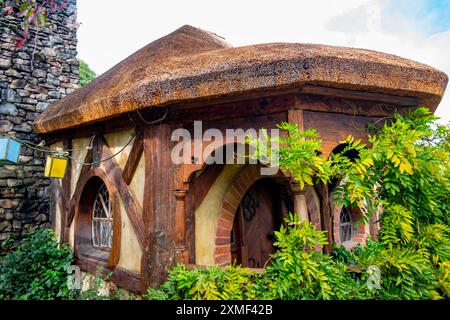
191	64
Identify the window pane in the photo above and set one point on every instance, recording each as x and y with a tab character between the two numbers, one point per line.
346	225
102	227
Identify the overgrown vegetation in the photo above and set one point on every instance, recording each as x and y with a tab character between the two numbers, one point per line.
405	171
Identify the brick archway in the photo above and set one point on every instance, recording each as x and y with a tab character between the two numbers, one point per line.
229	204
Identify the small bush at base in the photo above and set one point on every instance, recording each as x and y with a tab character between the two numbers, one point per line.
35	268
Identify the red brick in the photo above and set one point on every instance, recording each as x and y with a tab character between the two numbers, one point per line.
223	259
223	232
225	224
224	249
226	215
222	241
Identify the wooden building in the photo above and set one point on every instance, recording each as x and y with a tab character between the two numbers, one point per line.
125	205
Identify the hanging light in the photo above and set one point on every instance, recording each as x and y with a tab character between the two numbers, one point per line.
9	150
55	166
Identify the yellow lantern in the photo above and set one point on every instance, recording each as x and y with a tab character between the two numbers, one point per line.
55	167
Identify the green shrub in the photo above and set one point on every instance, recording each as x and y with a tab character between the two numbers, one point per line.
298	271
231	283
35	268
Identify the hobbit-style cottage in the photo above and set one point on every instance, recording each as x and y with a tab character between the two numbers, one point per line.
125	205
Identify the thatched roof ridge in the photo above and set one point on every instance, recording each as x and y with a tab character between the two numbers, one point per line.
191	64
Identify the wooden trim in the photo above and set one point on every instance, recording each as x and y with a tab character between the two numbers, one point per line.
181	254
233	110
134	157
132	207
240	106
114	253
126	279
79	187
83	225
84	219
359	95
123	278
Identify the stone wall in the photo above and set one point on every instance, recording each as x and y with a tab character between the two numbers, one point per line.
26	90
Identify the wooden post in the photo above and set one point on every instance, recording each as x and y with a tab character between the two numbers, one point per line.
66	186
300	206
326	214
295	116
181	254
159	208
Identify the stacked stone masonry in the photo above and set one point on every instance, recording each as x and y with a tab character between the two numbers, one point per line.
27	88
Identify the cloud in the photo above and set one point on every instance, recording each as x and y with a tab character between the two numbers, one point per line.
393	27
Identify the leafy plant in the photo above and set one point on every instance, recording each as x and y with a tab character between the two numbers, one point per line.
212	283
404	171
86	74
35	268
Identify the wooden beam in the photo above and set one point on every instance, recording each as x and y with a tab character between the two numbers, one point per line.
78	189
134	157
159	205
65	189
123	278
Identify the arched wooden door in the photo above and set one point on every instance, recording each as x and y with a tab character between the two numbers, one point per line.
258	216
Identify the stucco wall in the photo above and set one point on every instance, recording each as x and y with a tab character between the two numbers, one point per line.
138	181
79	152
130	251
206	216
116	141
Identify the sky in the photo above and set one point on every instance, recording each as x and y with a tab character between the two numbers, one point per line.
111	30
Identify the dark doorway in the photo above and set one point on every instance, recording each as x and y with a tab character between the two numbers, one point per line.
259	214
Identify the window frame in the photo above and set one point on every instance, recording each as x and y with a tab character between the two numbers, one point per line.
108	219
83	245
